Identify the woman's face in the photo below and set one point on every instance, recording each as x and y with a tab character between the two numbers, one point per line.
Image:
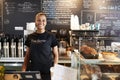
40	22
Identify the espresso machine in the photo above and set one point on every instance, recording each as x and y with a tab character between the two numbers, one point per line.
63	38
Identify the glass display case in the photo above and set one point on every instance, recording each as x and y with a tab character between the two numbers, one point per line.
93	69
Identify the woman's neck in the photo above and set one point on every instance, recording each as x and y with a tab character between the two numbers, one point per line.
40	31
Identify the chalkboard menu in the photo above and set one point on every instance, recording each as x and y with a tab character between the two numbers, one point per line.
110	23
105	12
1	16
101	5
60	11
17	13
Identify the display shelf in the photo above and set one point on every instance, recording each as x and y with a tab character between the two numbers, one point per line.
85	30
12	63
81	36
99	62
96	64
105	76
84	33
11	59
102	62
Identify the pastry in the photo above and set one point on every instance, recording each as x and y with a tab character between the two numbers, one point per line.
109	55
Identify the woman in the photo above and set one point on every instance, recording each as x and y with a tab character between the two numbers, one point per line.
40	46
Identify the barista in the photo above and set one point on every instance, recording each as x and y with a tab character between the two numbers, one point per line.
40	46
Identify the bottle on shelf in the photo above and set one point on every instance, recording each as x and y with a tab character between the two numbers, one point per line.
0	47
6	47
13	47
20	47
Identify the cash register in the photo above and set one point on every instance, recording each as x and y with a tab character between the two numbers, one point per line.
20	75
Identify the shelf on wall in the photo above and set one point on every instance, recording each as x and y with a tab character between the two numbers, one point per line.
85	30
84	33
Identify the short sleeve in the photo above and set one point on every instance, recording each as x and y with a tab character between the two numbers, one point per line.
54	41
27	41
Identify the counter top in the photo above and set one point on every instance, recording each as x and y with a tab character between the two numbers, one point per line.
11	59
99	62
62	59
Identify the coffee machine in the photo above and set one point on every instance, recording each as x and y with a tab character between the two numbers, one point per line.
63	38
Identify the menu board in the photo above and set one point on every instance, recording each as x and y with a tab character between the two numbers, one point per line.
17	13
1	26
105	12
110	23
60	11
101	5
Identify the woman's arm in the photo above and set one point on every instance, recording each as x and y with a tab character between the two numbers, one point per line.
55	53
26	59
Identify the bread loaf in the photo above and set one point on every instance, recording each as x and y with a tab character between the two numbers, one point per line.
88	50
109	55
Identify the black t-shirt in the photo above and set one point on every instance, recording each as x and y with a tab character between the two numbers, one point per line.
40	47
